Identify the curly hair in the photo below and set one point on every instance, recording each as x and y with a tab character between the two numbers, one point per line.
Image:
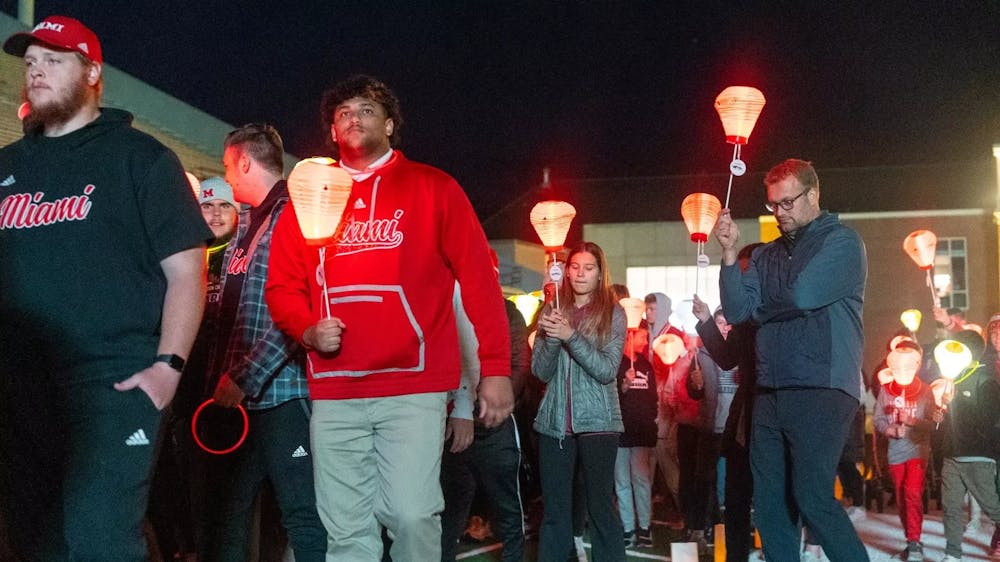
362	86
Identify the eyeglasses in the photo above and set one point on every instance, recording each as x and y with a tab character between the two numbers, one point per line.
785	204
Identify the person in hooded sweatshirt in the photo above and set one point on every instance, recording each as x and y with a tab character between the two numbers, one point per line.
102	249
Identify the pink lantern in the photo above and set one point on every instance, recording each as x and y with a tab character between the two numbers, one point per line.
921	245
700	211
551	220
634	309
668	347
195	184
319	190
738	108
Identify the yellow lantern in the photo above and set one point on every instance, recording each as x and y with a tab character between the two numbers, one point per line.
738	108
634	309
952	357
319	191
551	220
911	319
527	305
195	184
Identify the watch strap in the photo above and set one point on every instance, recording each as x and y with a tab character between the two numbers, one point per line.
176	362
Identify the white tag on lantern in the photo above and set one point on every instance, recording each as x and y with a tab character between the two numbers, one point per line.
703	261
320	275
738	167
556	272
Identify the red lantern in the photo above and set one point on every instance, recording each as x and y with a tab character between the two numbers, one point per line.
23	110
700	211
739	107
920	245
319	191
551	220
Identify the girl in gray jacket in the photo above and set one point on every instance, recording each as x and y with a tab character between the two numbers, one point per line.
577	352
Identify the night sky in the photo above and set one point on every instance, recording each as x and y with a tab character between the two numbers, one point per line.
493	91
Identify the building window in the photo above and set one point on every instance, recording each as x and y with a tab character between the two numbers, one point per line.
950	267
678	283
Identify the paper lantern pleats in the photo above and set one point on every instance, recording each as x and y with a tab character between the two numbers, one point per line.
551	220
700	211
319	191
920	245
195	184
634	309
739	107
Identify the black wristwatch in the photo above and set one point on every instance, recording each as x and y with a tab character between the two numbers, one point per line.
176	362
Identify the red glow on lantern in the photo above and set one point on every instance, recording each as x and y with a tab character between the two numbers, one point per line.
700	211
738	108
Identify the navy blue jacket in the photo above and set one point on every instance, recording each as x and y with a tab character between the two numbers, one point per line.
806	297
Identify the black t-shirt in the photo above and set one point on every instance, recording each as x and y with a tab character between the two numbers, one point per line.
85	219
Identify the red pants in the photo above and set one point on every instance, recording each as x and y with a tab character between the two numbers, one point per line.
908	478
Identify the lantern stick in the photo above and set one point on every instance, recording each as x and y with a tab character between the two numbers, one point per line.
930	283
326	295
736	155
555	258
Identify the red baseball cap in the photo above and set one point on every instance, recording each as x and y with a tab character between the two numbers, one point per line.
61	32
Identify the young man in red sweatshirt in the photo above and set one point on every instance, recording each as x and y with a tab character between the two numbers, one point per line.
381	363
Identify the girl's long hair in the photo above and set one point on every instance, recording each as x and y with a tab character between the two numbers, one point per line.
596	325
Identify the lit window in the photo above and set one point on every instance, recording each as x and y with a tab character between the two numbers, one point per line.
950	267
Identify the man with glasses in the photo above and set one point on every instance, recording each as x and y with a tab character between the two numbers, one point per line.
259	366
805	291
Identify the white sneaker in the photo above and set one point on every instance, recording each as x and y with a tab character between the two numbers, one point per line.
856	513
950	558
581	552
809	557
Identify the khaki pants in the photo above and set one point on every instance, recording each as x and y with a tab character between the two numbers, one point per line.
377	463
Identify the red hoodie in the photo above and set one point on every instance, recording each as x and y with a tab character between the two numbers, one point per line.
407	235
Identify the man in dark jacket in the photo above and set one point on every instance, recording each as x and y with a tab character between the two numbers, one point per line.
805	291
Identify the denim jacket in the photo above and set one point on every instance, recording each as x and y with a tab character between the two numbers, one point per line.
578	371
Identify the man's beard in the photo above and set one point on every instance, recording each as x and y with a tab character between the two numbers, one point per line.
60	111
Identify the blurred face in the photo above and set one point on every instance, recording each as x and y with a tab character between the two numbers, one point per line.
57	84
651	314
232	165
583	273
995	337
640	340
790	193
220	217
361	126
724	327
